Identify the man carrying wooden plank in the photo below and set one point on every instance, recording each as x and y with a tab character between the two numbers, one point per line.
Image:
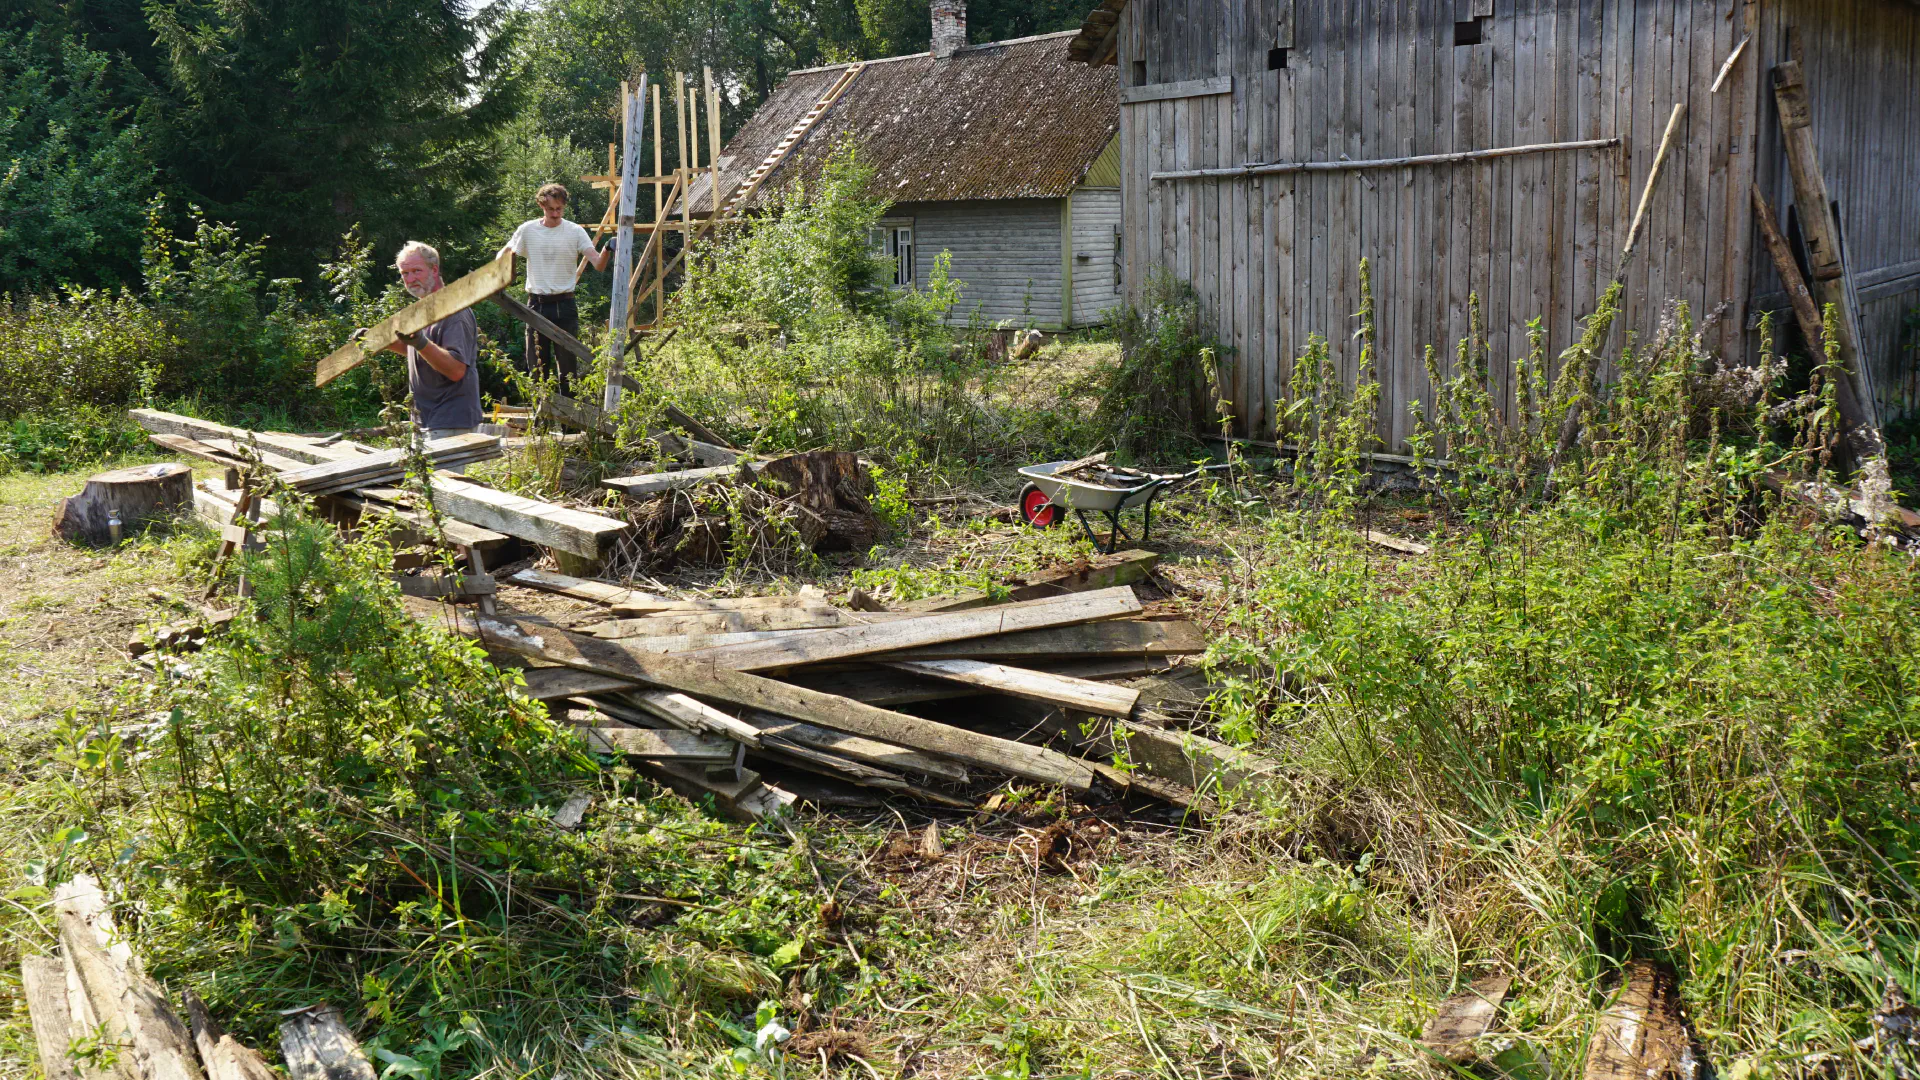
442	360
550	245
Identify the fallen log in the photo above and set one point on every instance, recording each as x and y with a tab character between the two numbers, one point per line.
154	1043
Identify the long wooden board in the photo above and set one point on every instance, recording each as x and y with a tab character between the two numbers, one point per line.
298	447
450	300
1116	638
1099	572
887	686
1094	697
43	983
545	326
647	485
556	683
563	527
682	746
1122	637
388	465
707	680
813	647
787	617
598	592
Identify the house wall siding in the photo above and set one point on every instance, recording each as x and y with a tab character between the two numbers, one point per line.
1096	213
1006	255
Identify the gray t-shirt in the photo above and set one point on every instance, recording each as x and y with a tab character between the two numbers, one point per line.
438	401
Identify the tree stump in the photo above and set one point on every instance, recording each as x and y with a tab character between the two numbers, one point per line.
831	488
131	495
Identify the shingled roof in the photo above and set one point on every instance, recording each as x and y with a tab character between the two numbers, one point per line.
1007	120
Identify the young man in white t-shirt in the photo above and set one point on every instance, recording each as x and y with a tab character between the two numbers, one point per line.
551	247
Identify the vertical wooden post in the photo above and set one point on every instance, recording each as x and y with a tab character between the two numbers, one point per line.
633	118
1825	258
680	173
693	140
713	137
658	164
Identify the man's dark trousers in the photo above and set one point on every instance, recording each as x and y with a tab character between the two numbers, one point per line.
544	355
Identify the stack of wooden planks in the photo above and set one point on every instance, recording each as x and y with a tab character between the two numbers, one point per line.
358	481
707	695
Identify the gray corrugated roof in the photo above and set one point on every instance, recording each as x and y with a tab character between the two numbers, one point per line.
1008	120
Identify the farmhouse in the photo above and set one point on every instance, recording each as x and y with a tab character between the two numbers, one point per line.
1268	146
1002	154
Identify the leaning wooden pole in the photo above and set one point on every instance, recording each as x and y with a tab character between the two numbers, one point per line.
1863	438
633	117
1826	258
1570	427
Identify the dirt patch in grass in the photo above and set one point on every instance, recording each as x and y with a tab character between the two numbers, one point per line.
67	612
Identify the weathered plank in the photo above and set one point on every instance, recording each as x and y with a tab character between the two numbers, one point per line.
688	747
887	686
786	617
647	485
1189	88
744	798
705	679
1122	637
1102	698
298	447
556	683
1465	1016
317	1045
1644	1033
598	592
812	647
563	527
546	327
223	1056
388	465
1098	572
449	300
43	983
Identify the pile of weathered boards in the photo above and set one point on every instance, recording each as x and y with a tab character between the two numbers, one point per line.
756	701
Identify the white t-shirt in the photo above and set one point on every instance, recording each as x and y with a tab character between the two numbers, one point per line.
551	254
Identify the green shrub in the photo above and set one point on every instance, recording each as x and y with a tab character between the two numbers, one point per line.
1156	402
338	802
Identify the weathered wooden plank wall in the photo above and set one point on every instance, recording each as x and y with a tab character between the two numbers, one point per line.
1862	63
1276	258
1095	217
1006	256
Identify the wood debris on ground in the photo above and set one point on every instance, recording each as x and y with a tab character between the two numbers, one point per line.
935	700
93	986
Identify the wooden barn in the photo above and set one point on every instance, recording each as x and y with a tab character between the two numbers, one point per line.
1002	154
1263	147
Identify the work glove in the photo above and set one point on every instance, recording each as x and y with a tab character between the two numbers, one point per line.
417	339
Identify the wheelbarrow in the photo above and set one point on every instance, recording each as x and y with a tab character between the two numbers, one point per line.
1047	498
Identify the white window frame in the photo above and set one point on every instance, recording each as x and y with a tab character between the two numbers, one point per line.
895	240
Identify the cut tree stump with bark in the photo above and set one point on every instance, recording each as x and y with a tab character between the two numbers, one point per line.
831	487
131	496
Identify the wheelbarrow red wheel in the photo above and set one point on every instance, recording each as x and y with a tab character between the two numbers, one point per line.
1034	506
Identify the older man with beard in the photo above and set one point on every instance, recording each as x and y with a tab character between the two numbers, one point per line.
442	360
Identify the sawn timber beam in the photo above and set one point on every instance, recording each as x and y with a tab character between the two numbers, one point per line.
450	300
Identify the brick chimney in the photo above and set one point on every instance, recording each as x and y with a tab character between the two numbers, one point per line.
949	27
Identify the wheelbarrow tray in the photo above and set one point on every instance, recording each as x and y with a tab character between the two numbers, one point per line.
1070	494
